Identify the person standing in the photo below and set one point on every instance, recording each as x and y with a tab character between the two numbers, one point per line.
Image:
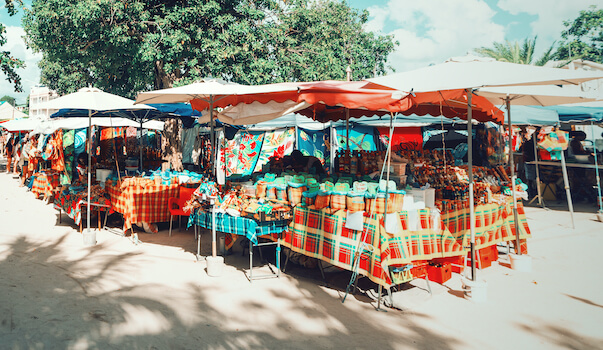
10	146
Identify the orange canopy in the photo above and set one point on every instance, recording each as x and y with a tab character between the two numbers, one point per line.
327	100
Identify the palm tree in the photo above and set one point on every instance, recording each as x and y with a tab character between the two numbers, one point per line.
515	52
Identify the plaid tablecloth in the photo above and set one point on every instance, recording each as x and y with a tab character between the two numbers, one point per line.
142	204
494	223
44	183
321	235
235	226
72	204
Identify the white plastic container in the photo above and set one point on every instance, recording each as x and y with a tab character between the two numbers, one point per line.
522	263
475	290
102	174
215	265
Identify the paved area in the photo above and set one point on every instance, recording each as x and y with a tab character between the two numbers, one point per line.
57	294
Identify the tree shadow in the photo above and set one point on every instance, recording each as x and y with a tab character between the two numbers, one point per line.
586	301
48	299
563	337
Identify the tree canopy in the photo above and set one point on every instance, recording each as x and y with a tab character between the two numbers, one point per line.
8	99
8	63
516	52
583	37
127	46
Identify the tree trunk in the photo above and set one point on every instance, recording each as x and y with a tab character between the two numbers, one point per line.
162	79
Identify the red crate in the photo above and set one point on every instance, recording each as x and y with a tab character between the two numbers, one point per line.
419	269
439	274
486	257
456	263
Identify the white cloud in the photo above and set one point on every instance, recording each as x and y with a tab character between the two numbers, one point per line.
30	75
549	24
430	31
377	19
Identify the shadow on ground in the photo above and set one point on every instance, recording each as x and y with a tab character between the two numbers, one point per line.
53	302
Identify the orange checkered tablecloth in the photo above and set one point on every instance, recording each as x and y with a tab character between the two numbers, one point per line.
148	203
44	183
318	234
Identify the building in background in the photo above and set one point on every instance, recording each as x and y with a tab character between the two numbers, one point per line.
39	94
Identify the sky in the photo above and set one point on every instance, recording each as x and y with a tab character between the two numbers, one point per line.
429	31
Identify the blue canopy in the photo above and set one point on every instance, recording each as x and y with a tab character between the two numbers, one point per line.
138	115
532	115
179	109
578	114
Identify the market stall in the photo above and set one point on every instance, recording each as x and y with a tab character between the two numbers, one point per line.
141	200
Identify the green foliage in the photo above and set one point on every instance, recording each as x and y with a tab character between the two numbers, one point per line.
8	63
124	47
583	37
8	99
516	52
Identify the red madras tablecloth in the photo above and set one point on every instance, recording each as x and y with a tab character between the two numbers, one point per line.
494	223
44	183
424	235
137	203
321	235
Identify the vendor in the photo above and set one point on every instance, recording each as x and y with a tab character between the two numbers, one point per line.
529	155
575	144
81	167
308	164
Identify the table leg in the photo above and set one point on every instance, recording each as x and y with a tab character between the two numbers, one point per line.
198	244
250	261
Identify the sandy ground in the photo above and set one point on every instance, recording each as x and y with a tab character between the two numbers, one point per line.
57	294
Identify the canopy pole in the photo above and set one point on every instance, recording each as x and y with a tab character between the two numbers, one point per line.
470	176
347	130
539	192
89	168
512	166
599	199
140	143
568	194
348	71
214	251
332	136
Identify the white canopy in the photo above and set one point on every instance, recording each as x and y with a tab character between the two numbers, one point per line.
477	72
547	95
210	90
8	111
21	124
92	99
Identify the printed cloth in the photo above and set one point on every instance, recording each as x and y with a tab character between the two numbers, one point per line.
553	142
276	144
138	203
69	156
312	143
361	138
240	155
44	183
407	138
235	226
73	203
